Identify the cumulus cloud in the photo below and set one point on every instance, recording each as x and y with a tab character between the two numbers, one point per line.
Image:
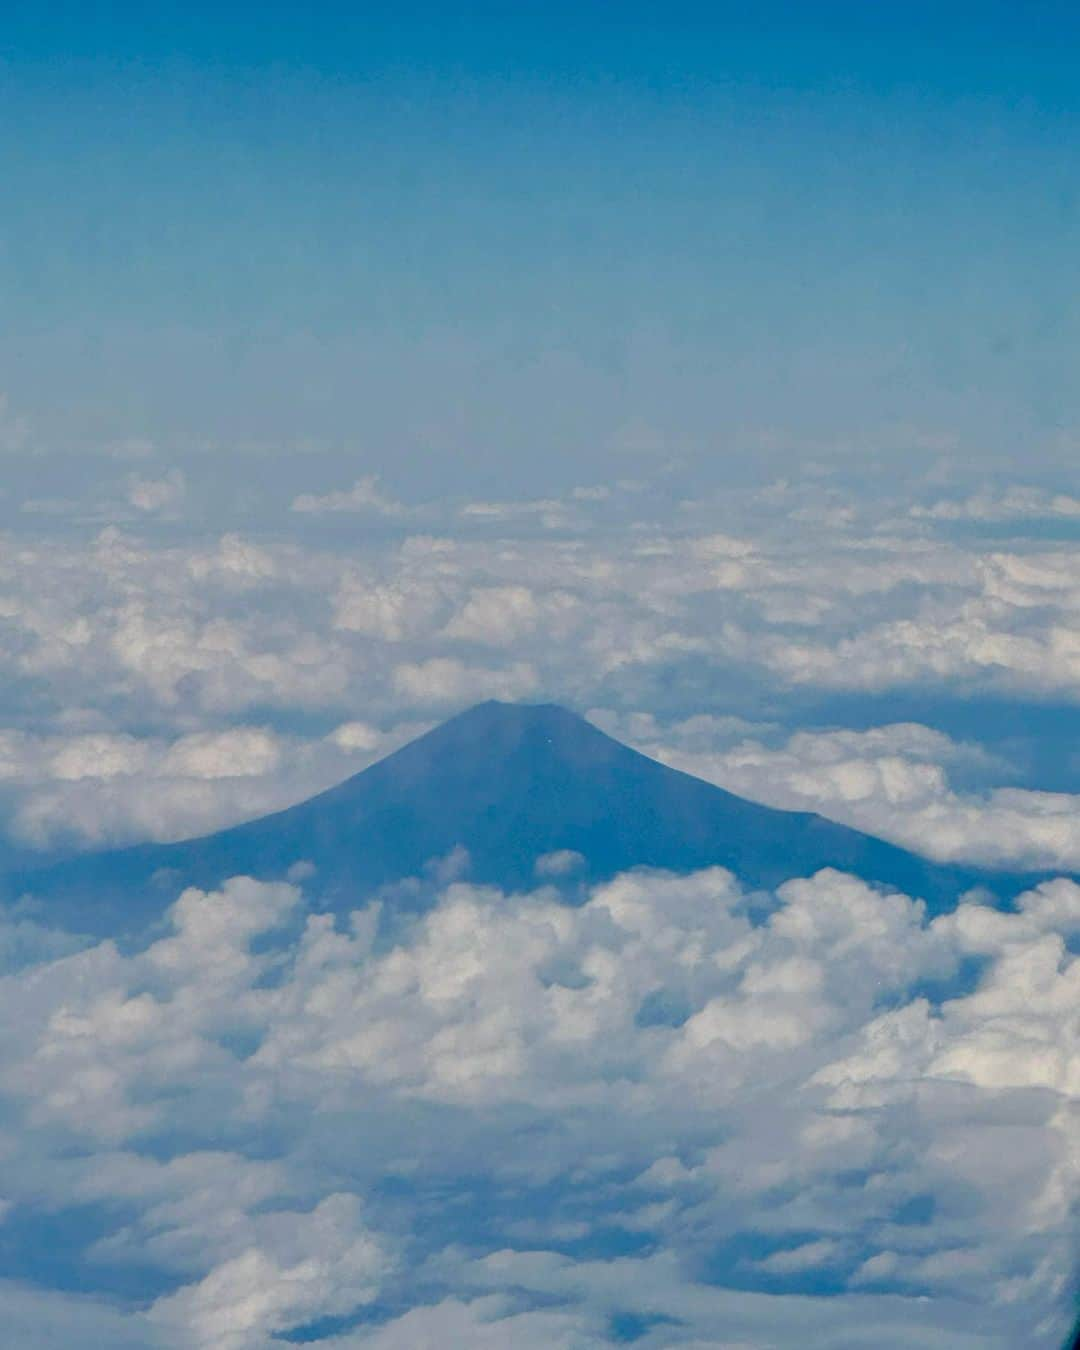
677	1111
446	680
103	787
502	615
298	1267
239	753
389	611
677	1114
192	638
55	1319
364	495
234	561
356	736
156	494
891	781
558	864
703	607
1012	503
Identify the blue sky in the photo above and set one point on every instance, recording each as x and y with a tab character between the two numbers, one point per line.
485	236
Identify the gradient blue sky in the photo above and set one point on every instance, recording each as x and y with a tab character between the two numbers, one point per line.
518	240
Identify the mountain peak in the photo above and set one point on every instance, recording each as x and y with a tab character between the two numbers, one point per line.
494	714
509	783
517	744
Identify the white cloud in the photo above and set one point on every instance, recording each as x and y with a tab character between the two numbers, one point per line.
459	1120
58	1320
807	1256
502	615
558	864
551	513
102	787
244	752
364	495
390	612
234	560
157	494
236	623
652	1063
356	736
98	756
105	788
134	633
1012	503
301	1267
447	680
890	781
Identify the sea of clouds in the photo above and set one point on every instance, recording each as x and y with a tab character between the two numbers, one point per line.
161	682
677	1115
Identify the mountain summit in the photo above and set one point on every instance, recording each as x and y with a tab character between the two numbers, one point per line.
510	783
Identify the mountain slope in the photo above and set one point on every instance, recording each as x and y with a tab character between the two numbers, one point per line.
509	783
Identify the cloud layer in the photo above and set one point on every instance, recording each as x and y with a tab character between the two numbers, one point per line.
675	1112
164	683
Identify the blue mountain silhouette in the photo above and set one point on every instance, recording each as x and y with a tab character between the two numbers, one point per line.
509	783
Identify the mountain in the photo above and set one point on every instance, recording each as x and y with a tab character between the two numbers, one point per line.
509	783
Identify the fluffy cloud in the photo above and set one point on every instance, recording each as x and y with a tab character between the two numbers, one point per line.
1011	503
122	633
447	680
735	594
677	1112
296	1267
364	495
234	562
498	615
558	864
101	787
391	612
156	494
890	781
240	753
